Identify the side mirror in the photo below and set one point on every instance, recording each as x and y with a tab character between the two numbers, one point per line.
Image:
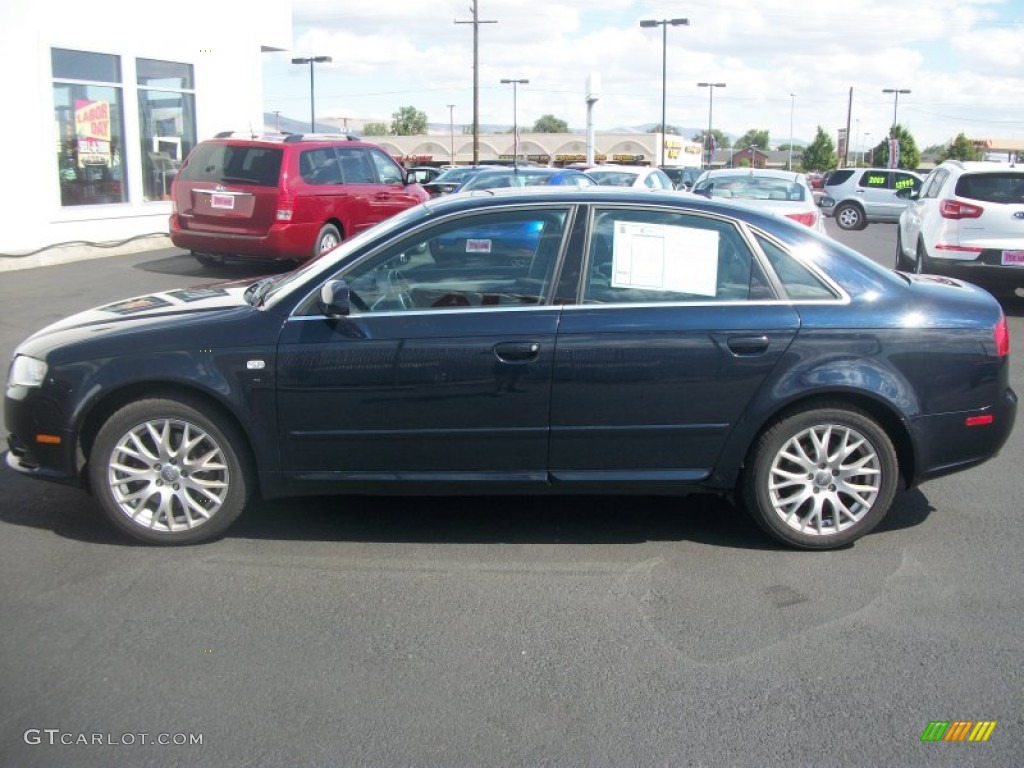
335	299
826	202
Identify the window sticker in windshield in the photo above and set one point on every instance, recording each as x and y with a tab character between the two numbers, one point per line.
660	257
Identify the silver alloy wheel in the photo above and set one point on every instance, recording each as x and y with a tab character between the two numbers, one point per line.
328	241
848	217
168	475
824	479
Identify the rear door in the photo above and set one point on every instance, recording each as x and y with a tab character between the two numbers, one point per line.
675	333
230	189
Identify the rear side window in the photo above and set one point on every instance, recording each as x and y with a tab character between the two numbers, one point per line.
839	177
233	164
356	167
1005	187
798	280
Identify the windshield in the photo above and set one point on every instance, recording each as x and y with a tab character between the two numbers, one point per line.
331	260
748	187
613	178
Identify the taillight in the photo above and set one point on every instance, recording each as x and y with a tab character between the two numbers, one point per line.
285	205
1002	337
810	218
954	209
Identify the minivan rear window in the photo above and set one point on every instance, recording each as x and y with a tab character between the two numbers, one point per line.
228	164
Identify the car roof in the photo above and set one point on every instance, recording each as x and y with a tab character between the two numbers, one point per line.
277	139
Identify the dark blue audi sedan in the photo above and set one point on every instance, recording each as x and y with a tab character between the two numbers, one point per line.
634	343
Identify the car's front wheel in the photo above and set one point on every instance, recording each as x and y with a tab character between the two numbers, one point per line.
821	478
919	262
850	216
170	471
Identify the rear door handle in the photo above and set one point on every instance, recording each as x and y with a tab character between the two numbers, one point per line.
517	351
748	345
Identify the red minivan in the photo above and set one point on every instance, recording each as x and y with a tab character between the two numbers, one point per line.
283	197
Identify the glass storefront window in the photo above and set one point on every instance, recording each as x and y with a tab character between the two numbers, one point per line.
167	123
90	129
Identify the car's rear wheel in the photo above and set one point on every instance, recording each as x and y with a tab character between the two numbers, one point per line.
328	238
170	471
850	216
821	478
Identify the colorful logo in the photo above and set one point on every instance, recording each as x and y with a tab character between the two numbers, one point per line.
958	730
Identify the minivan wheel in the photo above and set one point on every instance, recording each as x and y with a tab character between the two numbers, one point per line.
821	478
328	238
170	471
849	216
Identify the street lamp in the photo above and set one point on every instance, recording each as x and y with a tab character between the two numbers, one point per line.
451	128
664	24
311	60
711	104
792	104
515	119
895	103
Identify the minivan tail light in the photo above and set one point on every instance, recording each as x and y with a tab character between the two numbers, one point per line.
954	209
285	205
1002	337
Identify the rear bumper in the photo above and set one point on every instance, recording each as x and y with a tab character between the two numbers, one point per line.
946	444
285	241
986	270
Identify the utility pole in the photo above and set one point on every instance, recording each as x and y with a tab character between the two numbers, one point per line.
846	146
476	22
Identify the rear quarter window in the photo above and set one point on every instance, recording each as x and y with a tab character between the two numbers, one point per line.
233	164
800	282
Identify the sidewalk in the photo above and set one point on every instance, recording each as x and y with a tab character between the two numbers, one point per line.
71	252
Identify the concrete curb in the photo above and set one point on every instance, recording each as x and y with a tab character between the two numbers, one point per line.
65	254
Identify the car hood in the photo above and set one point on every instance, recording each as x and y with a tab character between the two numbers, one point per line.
152	309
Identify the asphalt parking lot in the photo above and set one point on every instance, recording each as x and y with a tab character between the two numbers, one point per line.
515	631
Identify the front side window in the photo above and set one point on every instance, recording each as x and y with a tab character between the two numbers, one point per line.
88	114
167	122
648	256
503	259
387	170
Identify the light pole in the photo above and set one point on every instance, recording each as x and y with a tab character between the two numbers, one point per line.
311	60
664	24
895	103
792	105
711	105
476	22
451	128
867	142
515	119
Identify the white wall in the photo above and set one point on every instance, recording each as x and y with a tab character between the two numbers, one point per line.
222	39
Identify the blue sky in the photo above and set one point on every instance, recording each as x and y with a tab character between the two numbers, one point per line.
962	60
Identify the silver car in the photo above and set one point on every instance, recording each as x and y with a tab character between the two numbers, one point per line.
784	193
856	197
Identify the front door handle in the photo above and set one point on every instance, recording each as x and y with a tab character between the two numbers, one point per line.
517	351
747	345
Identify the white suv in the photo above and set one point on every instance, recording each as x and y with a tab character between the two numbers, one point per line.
967	221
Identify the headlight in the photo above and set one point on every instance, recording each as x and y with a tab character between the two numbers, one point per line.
26	372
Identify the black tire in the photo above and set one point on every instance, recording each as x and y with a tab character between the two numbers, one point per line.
849	216
812	495
160	491
919	262
902	262
207	260
328	238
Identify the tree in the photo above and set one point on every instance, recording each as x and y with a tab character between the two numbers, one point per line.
961	148
909	157
753	138
550	124
375	129
408	121
670	130
721	140
820	154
